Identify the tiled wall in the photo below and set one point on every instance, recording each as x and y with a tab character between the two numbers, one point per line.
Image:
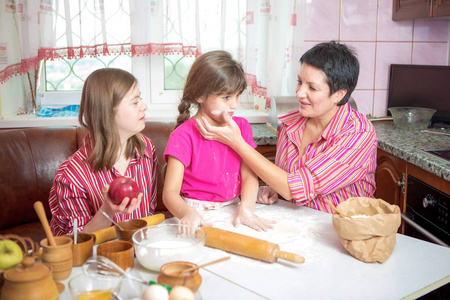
367	26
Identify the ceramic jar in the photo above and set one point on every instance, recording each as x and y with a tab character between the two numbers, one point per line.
29	280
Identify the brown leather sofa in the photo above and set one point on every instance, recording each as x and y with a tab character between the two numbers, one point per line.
29	159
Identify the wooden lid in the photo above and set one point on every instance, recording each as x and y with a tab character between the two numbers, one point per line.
28	271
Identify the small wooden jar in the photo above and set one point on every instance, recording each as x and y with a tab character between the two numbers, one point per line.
120	252
129	228
83	249
59	257
170	275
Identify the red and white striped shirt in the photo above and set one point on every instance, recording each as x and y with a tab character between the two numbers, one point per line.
77	189
339	165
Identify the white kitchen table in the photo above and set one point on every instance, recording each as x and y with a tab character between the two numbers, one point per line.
415	267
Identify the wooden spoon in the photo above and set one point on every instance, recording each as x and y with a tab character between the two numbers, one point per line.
204	265
39	208
338	210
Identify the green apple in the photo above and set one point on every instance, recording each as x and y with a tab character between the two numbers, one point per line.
10	254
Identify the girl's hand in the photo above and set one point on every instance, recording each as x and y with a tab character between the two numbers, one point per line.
248	218
193	218
266	195
122	208
228	135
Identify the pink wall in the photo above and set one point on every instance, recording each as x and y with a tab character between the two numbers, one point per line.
367	26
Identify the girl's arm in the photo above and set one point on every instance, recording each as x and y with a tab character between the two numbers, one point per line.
67	202
172	198
99	221
249	191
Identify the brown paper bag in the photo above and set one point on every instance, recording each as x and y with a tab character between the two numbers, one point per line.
369	235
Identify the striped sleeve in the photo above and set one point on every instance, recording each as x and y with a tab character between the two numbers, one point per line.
69	199
77	190
341	164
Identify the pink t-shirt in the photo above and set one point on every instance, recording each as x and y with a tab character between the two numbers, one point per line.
212	169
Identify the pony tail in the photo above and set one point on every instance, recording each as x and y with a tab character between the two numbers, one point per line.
184	112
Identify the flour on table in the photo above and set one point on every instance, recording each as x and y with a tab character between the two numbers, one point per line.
282	231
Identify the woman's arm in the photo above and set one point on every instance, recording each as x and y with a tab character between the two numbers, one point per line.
172	198
346	160
231	136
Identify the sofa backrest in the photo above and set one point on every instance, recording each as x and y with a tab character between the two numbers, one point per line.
29	159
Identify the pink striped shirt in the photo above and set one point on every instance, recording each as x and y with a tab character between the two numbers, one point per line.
339	165
77	189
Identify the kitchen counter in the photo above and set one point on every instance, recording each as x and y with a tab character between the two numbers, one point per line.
407	145
263	136
329	272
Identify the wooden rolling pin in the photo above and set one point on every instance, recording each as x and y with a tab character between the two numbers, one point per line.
110	233
247	246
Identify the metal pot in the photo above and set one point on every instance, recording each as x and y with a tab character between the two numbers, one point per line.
411	118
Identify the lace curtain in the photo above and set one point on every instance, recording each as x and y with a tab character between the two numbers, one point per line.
264	35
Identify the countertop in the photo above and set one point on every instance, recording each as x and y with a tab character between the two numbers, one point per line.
262	135
329	272
408	146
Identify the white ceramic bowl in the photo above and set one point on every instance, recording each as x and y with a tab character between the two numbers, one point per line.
164	243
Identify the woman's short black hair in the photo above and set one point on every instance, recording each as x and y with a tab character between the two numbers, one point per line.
339	64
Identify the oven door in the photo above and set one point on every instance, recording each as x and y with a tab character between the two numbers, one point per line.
415	230
427	213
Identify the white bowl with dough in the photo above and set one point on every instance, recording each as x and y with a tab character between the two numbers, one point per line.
164	243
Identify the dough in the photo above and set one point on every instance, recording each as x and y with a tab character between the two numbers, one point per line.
282	231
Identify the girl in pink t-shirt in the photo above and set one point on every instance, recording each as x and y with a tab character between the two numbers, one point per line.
203	174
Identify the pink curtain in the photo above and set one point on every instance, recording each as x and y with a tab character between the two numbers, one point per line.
264	35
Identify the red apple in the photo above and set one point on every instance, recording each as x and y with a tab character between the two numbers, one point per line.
122	187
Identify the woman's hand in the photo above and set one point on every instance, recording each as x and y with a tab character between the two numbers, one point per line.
228	135
266	195
248	218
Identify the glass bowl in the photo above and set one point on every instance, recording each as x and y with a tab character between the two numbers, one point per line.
161	244
94	287
411	118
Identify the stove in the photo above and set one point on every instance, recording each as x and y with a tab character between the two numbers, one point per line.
441	153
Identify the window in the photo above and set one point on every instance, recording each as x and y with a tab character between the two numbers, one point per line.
161	77
63	80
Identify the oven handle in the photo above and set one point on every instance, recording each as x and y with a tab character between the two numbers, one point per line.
423	231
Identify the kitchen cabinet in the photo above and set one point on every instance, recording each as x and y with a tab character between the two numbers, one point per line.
390	177
420	9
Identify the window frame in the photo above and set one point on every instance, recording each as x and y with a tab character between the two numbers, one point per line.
147	69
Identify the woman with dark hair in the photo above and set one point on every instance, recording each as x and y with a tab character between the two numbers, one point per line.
113	113
326	151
